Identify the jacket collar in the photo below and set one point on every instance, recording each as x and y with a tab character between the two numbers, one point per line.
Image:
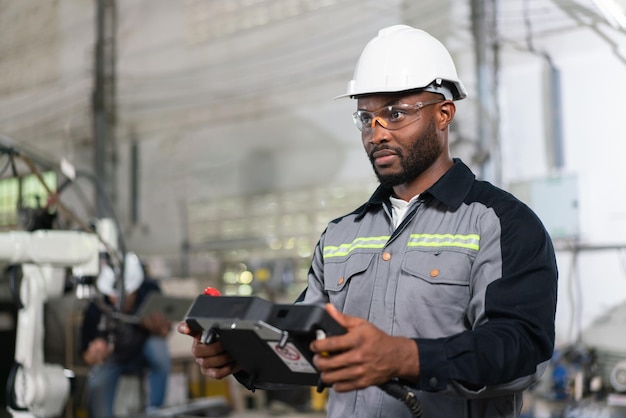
451	189
454	186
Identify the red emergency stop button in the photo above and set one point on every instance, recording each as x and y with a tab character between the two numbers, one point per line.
211	291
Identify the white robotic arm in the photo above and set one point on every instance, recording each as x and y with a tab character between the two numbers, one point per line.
39	389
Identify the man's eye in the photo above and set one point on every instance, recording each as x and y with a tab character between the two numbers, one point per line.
396	114
366	118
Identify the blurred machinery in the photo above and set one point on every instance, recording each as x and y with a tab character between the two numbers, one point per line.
40	262
37	389
587	378
43	260
607	336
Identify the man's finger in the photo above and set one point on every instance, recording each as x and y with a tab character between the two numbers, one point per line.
342	319
183	328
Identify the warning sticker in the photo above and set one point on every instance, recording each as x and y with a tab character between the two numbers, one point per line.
292	357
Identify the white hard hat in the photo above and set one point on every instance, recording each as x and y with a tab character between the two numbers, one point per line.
133	276
403	58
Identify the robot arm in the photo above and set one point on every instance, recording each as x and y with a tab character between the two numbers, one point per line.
40	389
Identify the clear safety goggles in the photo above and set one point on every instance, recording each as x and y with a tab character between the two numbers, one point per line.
390	117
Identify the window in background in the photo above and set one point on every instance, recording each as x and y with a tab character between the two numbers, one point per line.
29	190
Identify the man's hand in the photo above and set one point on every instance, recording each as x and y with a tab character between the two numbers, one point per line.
213	360
156	324
364	356
97	351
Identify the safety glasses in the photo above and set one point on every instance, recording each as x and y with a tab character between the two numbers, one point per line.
390	117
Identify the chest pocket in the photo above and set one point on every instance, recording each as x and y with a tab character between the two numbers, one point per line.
439	278
348	285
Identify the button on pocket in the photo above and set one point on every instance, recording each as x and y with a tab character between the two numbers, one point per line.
347	280
438	278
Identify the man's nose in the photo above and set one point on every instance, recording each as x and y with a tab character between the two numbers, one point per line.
379	132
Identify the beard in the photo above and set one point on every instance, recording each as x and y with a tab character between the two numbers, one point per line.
414	160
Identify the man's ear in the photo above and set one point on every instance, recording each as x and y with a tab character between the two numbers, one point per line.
446	113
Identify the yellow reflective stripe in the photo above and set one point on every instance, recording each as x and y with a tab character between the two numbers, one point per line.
361	242
471	241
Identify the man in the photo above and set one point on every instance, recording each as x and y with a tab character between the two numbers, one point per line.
112	347
445	284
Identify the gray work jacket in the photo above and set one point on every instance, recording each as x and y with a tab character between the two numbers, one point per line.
470	275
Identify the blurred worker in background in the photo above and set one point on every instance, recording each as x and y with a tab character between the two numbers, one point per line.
446	285
113	347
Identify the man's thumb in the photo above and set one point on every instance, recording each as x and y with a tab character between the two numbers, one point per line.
342	319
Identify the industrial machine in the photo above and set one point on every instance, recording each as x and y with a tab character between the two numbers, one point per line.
588	377
46	257
40	262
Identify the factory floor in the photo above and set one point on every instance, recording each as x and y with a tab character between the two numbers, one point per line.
265	414
221	399
220	407
263	408
299	402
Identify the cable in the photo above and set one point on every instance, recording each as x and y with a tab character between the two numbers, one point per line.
408	398
80	194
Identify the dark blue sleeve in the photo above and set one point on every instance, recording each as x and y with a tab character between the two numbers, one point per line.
89	329
515	340
147	287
